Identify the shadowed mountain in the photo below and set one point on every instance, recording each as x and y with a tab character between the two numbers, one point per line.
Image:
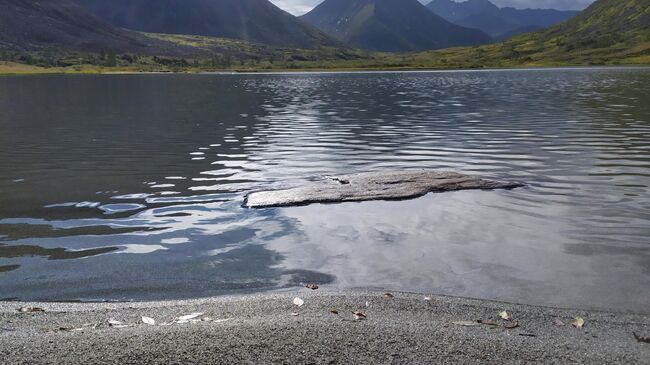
33	25
250	20
390	25
497	22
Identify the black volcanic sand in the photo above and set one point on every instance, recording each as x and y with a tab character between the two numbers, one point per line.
262	329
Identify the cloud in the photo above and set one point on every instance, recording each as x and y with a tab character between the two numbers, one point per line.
296	7
545	4
300	7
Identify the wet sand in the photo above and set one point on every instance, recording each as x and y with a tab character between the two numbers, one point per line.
263	329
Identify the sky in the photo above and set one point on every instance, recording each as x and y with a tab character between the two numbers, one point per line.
299	7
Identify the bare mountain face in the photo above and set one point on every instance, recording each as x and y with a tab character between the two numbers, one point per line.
249	20
390	25
34	25
500	23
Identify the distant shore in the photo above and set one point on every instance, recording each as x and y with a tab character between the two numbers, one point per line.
16	69
269	328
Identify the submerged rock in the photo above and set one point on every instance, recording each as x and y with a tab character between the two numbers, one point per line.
373	186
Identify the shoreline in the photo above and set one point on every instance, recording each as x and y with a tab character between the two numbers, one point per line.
34	70
264	328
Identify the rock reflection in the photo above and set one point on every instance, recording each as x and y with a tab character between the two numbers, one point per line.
462	244
8	268
51	253
19	231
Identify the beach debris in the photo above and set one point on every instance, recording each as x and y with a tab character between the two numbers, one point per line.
504	315
367	304
388	295
65	329
334	311
30	309
643	339
487	322
193	318
528	335
431	300
208	319
511	325
558	322
466	323
578	322
359	315
116	324
311	286
299	302
148	320
295	314
189	318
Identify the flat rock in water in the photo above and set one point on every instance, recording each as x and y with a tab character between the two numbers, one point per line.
373	186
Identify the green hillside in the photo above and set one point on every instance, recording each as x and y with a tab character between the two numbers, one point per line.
607	32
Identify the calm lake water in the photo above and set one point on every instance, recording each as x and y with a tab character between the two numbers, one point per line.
129	187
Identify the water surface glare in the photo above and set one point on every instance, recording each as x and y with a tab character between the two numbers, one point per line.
129	187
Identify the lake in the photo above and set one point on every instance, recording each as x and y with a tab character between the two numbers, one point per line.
129	187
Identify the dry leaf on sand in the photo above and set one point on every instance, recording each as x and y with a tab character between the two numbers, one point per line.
359	315
641	338
511	325
466	323
116	324
487	323
578	322
189	318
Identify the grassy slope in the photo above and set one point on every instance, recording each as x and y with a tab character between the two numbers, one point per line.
608	32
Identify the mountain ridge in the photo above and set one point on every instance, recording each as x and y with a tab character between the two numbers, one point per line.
496	21
257	21
389	25
30	25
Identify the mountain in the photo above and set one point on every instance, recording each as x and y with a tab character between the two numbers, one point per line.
250	20
390	25
495	21
454	11
27	25
607	32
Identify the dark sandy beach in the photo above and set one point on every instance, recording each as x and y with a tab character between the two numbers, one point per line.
264	328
